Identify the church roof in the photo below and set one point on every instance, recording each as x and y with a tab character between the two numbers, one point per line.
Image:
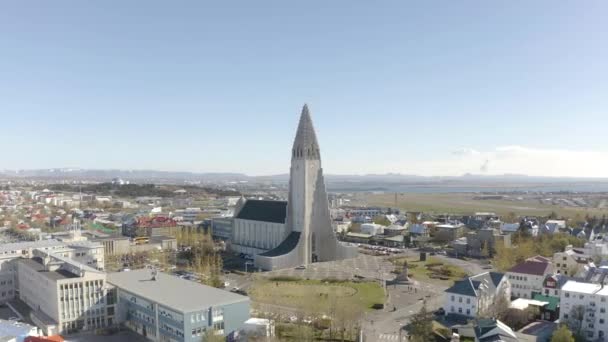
265	211
285	247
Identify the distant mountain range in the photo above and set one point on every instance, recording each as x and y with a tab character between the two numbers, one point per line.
215	177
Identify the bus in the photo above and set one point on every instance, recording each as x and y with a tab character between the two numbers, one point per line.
141	240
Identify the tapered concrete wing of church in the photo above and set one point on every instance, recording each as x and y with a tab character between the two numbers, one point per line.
309	235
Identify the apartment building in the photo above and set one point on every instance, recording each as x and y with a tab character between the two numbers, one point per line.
527	278
571	261
584	306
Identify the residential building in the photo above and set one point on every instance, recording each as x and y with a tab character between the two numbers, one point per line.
527	278
583	306
571	261
162	307
553	283
485	330
476	294
448	232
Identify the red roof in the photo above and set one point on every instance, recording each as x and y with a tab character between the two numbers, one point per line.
155	222
54	338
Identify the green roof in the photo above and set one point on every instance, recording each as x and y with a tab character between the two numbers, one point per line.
553	301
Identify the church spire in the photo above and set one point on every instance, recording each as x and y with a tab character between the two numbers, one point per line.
305	145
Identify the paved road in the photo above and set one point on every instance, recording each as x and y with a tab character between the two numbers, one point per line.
408	300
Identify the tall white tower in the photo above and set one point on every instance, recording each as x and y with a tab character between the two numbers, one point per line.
311	237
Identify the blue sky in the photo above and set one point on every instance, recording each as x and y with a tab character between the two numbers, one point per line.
430	88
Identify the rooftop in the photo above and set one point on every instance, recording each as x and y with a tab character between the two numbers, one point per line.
52	275
585	288
531	267
172	292
7	247
263	210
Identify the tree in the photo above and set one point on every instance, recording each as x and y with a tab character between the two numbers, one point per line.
511	217
577	314
562	334
412	218
500	307
421	326
382	220
211	336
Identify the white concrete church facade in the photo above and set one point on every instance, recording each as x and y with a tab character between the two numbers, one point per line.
310	237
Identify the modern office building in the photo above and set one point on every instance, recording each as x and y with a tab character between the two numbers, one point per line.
309	235
163	307
65	296
87	253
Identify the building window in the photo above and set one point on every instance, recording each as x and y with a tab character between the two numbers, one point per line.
459	310
468	312
468	300
453	298
567	294
459	299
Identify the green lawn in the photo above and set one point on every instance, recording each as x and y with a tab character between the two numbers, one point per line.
302	293
431	270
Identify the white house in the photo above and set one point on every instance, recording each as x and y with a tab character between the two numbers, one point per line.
527	277
473	295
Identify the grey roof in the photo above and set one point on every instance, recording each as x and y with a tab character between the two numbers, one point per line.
265	211
171	291
7	247
469	286
285	247
52	275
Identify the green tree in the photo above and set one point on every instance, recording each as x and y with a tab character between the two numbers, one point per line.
562	334
412	218
211	336
382	220
511	217
421	327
